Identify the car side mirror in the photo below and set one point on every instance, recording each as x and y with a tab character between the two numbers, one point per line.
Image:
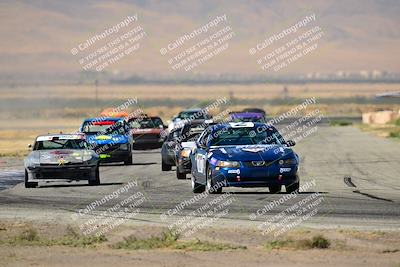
290	143
30	146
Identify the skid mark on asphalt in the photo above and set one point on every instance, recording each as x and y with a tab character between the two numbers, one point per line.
372	196
348	181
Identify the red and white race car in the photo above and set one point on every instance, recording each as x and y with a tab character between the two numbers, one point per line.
148	132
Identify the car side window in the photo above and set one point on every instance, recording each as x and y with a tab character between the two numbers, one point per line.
173	135
203	138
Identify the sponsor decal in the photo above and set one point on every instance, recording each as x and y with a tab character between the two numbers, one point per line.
258	163
61	161
282	170
253	149
103	137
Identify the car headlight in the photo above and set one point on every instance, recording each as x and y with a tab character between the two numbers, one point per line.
185	153
87	155
290	161
227	164
123	147
33	161
116	139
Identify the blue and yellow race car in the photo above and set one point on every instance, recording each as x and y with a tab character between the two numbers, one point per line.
244	154
110	138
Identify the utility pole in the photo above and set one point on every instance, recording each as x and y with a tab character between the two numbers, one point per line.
285	92
96	84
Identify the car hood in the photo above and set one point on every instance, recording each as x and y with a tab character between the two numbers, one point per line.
107	139
251	152
59	156
147	131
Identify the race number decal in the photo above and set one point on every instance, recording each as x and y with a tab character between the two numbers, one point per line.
200	163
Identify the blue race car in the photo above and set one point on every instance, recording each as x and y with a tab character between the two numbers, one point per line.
109	138
244	154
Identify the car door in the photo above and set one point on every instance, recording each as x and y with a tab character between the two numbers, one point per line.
199	160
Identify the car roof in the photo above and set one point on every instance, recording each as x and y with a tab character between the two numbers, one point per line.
103	119
217	127
258	110
247	114
45	137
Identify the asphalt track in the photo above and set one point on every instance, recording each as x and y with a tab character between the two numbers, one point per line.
355	173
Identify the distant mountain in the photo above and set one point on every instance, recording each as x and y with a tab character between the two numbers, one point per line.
37	36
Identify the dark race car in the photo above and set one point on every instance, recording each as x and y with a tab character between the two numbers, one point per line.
168	150
186	116
147	132
186	143
244	155
110	138
61	156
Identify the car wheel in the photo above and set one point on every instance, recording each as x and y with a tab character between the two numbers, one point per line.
275	189
197	188
29	184
211	186
128	160
95	180
293	187
165	167
180	175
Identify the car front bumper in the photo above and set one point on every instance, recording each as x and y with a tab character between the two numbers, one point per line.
168	156
114	154
75	172
256	177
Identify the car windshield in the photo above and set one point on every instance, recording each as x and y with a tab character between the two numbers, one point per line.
61	144
246	136
96	127
105	127
191	136
146	123
192	114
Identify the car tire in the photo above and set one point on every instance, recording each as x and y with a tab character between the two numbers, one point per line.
275	189
95	180
293	187
29	184
197	188
180	175
165	166
128	160
210	185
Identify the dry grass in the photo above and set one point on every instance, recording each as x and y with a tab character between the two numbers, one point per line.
201	92
317	241
391	130
14	143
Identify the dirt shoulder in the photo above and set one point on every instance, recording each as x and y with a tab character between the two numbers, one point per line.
49	244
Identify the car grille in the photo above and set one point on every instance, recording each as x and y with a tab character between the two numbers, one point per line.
257	164
146	136
106	149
